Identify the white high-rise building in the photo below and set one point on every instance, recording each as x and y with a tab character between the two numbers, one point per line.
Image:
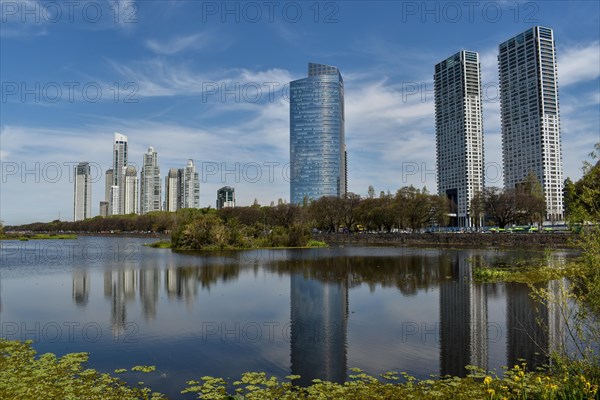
119	165
172	185
130	190
191	186
530	114
150	193
82	204
115	200
459	133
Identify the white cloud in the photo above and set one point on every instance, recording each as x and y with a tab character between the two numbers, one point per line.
578	63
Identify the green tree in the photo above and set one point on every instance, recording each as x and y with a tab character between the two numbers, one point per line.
477	209
325	211
584	204
500	205
414	207
530	201
371	192
349	206
569	197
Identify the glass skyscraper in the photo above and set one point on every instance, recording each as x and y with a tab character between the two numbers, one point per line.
459	133
317	138
530	114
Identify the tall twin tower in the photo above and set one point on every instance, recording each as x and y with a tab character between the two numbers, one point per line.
530	122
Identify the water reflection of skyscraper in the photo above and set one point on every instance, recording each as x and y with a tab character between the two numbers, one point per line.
81	287
120	287
319	319
535	330
463	320
149	282
182	283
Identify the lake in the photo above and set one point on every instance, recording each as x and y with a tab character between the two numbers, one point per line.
310	312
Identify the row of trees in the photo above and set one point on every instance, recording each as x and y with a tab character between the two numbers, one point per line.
409	208
524	204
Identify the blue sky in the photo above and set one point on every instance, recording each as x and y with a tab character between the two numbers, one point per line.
207	81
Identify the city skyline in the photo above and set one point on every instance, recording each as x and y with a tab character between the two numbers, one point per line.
128	193
190	90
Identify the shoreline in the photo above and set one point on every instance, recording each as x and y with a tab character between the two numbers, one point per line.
460	240
464	240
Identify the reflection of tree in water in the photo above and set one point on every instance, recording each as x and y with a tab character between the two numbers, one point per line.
211	274
407	273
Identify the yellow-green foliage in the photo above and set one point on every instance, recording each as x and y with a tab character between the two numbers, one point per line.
316	243
161	244
515	384
526	274
23	376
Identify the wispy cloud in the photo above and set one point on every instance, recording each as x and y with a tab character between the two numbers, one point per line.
180	43
162	78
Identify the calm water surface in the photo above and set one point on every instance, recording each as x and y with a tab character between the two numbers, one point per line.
311	312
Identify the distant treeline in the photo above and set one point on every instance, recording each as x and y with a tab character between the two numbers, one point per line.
273	226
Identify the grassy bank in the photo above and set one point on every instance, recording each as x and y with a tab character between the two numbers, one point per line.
166	244
161	244
37	236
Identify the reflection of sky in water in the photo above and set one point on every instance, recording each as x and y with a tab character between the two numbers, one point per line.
313	312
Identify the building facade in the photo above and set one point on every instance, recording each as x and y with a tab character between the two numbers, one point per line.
119	164
225	197
459	133
115	200
150	190
191	186
172	186
530	114
108	183
317	135
131	191
104	208
82	202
